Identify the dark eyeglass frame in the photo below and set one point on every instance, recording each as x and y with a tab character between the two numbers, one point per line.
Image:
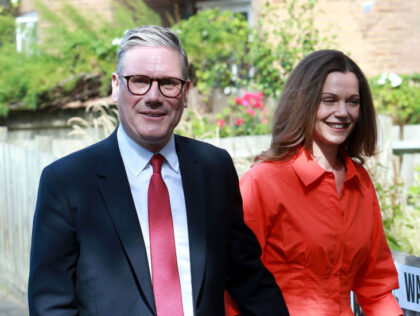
159	80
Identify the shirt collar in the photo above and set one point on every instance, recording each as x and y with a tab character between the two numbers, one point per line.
308	170
136	158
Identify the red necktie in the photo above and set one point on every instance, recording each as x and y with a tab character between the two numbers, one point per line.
165	278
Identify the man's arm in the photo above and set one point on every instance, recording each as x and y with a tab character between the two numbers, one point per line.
54	251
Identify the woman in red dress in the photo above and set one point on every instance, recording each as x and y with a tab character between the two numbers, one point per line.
310	201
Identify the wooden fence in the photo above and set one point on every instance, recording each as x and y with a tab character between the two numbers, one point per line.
20	170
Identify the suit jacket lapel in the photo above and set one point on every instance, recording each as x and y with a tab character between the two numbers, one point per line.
193	185
115	190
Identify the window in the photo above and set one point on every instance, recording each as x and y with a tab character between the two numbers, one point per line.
242	6
26	32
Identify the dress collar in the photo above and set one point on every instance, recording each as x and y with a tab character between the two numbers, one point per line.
308	170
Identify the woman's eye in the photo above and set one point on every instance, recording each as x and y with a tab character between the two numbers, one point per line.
355	102
328	100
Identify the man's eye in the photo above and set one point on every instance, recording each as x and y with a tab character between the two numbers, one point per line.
140	80
168	82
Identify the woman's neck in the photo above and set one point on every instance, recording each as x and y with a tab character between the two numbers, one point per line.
327	157
330	160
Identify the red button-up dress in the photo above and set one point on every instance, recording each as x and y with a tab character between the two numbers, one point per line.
320	245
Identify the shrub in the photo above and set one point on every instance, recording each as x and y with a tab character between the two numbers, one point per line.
74	47
398	96
227	54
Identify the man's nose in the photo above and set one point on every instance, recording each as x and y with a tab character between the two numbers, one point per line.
154	92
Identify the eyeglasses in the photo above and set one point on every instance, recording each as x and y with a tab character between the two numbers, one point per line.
140	85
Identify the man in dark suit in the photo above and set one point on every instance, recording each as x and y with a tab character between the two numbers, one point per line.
97	220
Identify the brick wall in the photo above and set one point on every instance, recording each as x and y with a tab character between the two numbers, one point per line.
385	39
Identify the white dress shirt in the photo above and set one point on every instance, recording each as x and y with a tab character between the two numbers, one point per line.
139	170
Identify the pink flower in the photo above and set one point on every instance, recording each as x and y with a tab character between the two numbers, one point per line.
250	111
253	99
264	120
239	121
240	101
220	123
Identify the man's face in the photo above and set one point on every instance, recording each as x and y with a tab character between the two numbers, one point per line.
151	118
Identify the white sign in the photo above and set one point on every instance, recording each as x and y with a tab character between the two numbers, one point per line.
408	295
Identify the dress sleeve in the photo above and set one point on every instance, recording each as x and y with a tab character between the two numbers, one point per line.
378	276
253	208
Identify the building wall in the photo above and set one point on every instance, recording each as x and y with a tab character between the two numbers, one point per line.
385	38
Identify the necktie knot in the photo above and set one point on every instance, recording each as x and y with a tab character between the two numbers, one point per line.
156	162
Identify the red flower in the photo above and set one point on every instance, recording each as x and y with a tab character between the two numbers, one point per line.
220	123
239	121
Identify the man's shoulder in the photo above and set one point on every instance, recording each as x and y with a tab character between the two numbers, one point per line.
199	147
87	157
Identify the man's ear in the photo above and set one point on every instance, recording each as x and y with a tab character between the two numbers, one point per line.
115	88
186	92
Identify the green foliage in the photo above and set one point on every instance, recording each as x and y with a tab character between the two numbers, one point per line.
7	29
413	194
196	125
400	221
226	53
400	101
132	14
293	36
73	43
215	41
413	208
9	7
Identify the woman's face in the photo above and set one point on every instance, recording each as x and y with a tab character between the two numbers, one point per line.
338	111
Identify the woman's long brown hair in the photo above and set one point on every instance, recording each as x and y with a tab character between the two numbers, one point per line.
295	115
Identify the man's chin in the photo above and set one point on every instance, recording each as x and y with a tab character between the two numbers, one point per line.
152	141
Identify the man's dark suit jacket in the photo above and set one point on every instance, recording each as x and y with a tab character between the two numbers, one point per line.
88	256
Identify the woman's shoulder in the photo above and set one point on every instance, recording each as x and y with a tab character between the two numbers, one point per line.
270	166
265	172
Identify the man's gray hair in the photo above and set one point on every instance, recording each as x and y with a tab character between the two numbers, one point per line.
151	36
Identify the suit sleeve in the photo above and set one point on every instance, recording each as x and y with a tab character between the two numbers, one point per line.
251	285
378	277
54	252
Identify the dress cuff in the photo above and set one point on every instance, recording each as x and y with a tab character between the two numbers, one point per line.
386	305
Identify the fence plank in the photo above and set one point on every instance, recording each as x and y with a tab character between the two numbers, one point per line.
20	171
